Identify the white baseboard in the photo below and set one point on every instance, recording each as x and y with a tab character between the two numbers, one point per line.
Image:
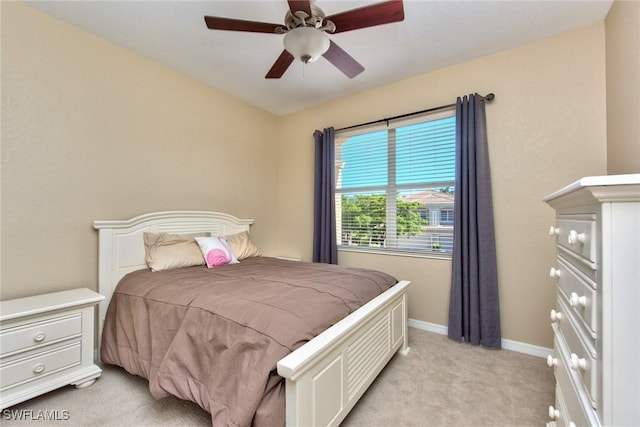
520	347
426	326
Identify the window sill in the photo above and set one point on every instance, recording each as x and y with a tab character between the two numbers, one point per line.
408	254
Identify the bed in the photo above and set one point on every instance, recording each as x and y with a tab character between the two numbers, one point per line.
325	373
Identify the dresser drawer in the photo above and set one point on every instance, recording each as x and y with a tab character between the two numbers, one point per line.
580	294
40	365
560	413
574	404
577	234
43	332
580	356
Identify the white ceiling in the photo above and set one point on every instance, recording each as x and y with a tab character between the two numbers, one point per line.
434	34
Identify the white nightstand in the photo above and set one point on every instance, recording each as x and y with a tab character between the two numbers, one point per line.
46	342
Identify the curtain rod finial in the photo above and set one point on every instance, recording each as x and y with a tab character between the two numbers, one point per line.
490	97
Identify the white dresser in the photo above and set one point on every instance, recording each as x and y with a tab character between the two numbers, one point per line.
596	321
46	342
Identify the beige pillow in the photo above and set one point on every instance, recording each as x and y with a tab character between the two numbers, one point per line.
165	251
242	246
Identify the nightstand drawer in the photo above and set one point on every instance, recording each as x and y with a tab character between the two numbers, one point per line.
40	365
43	332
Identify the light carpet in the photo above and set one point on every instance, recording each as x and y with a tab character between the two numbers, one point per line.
440	383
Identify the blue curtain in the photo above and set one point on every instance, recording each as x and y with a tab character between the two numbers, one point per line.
474	312
325	247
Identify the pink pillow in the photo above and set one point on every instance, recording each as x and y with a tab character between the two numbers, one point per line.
216	251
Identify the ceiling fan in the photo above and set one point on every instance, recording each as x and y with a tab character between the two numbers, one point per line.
305	32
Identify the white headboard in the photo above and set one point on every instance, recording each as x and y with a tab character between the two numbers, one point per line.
121	246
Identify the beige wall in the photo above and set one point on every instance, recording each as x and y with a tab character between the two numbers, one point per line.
93	131
623	87
546	129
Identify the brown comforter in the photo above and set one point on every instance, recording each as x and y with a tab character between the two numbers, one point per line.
214	336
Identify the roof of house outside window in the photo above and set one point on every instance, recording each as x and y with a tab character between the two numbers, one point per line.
430	198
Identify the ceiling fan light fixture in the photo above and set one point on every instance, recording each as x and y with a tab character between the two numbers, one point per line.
306	43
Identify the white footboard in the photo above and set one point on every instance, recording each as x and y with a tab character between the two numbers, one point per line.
326	377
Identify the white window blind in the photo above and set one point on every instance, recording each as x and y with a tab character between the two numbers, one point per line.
395	186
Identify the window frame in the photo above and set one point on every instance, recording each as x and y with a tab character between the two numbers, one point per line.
392	188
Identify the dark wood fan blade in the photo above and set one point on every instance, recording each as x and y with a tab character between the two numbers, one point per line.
303	5
280	66
343	61
368	16
229	24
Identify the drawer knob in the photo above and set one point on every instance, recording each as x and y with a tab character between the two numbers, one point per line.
39	368
577	301
39	337
552	361
554	231
555	316
578	363
553	413
554	272
575	237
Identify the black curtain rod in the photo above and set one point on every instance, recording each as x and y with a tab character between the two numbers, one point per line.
489	97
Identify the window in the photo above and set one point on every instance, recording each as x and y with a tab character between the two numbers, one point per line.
395	186
447	217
